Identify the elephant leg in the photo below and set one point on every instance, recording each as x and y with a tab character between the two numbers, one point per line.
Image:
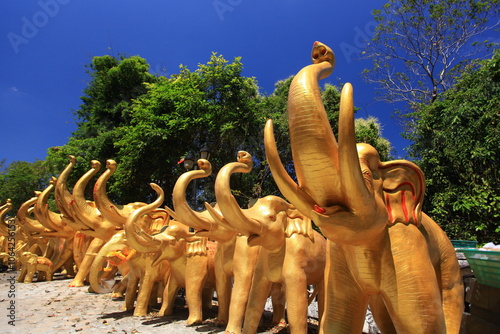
321	300
296	301
223	287
244	267
22	274
131	293
345	302
452	290
48	274
120	288
153	297
169	294
66	256
84	268
259	292
194	286
412	292
145	288
278	301
207	295
30	274
381	315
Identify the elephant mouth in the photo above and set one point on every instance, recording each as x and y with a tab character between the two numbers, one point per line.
252	239
329	211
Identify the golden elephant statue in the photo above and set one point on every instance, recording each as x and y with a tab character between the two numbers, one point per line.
115	213
235	261
191	260
84	217
112	258
31	264
383	251
291	254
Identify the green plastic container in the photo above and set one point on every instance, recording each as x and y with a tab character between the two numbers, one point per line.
485	265
464	243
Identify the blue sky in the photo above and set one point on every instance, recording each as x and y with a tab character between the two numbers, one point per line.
46	44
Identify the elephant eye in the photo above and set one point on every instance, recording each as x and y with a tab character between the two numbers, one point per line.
367	174
271	218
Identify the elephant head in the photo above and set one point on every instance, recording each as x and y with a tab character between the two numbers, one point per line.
92	222
344	188
270	219
62	194
203	222
142	241
25	218
117	214
53	222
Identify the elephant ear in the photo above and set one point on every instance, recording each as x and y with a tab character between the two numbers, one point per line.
160	218
33	259
197	247
404	188
296	222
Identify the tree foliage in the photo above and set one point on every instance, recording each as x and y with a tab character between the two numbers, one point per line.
420	46
456	143
148	124
369	131
19	180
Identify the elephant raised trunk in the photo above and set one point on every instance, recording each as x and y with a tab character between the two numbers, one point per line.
51	220
314	148
114	213
227	203
62	195
84	210
24	216
183	212
328	183
101	199
136	237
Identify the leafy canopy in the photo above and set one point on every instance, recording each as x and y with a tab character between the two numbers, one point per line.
456	143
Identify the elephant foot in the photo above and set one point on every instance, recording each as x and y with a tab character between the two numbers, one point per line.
220	322
165	312
193	321
76	284
140	313
117	295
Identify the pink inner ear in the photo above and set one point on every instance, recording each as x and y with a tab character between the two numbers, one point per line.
397	206
403	204
389	209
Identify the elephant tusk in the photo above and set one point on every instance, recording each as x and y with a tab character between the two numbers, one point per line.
292	192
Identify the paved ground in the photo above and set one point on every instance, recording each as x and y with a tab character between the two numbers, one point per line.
53	307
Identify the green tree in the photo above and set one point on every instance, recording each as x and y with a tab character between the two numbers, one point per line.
114	84
420	46
214	105
148	124
20	179
369	131
456	143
